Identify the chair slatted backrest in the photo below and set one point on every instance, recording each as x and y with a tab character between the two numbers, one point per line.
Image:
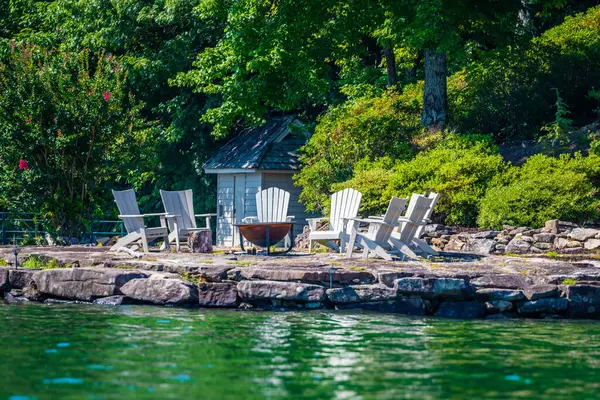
416	211
434	199
394	211
179	203
127	204
272	205
344	204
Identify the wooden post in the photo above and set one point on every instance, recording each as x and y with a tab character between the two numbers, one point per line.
201	241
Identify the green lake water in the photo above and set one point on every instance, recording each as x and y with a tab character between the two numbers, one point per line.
93	352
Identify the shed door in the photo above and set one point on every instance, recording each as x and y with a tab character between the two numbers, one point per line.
239	190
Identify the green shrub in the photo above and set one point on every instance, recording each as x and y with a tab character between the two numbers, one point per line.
371	179
459	168
543	188
368	127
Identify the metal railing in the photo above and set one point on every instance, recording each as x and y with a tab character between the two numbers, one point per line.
15	228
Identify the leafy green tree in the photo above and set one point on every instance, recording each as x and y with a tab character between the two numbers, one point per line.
68	129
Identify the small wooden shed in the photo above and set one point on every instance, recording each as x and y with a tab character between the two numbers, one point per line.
257	159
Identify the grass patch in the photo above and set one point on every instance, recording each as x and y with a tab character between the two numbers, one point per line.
192	278
149	258
206	262
124	266
3	263
357	269
436	266
239	263
335	263
552	254
569	281
40	262
511	255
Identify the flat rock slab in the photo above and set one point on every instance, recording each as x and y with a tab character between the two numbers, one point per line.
498	306
432	287
500	294
344	277
217	295
461	309
360	294
161	291
85	284
273	290
502	281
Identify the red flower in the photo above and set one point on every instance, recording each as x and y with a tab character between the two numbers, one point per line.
28	120
23	166
107	96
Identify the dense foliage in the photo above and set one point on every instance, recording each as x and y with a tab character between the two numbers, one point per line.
364	128
543	188
367	75
67	127
459	169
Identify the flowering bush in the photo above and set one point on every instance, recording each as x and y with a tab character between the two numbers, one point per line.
67	127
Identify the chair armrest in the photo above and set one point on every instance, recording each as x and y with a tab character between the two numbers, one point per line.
289	218
376	216
172	215
374	221
205	215
404	219
318	219
155	215
248	220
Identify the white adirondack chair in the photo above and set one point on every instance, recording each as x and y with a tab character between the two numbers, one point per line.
271	206
179	205
412	224
134	223
420	243
344	205
377	240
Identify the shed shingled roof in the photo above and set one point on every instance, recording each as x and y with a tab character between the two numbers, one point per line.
257	148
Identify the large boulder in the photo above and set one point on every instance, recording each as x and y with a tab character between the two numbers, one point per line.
461	309
480	245
584	301
537	292
217	295
432	287
502	281
583	234
288	291
161	291
401	305
84	284
20	278
518	246
361	294
498	306
592	244
550	305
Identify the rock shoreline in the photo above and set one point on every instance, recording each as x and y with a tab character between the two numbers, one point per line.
495	288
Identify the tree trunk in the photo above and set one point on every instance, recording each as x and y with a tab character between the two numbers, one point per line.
390	63
435	98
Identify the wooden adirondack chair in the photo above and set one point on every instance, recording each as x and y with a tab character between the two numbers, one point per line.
420	243
179	205
134	223
344	205
377	240
271	206
412	225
